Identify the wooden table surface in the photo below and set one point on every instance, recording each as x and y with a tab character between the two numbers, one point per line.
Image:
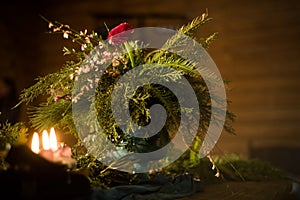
278	190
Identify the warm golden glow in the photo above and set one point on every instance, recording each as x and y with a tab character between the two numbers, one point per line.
53	140
35	143
45	140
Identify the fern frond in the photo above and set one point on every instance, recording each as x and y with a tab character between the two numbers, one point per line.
182	38
183	65
205	42
190	28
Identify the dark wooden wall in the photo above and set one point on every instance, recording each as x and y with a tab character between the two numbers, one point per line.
258	50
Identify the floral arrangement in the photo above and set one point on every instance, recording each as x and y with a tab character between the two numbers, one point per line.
80	78
119	54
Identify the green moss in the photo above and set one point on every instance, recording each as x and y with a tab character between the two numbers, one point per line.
238	168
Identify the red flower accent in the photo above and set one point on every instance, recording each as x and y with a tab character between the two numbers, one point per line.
114	36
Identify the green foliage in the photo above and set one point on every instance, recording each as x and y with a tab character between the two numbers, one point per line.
238	168
45	115
190	28
228	167
56	111
99	175
9	133
58	89
200	168
50	84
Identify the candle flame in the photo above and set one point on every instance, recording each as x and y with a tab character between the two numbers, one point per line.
45	140
35	143
53	140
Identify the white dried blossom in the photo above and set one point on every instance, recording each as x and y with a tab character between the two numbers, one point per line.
106	55
83	33
115	62
50	25
76	98
87	40
90	83
71	76
84	88
66	35
100	45
86	69
83	47
56	29
97	80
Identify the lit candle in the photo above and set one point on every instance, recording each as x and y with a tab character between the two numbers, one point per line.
50	150
45	140
35	143
46	152
53	140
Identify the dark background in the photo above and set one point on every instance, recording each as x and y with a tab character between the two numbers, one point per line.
257	50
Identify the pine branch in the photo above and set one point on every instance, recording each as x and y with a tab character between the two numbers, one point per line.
46	116
43	85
